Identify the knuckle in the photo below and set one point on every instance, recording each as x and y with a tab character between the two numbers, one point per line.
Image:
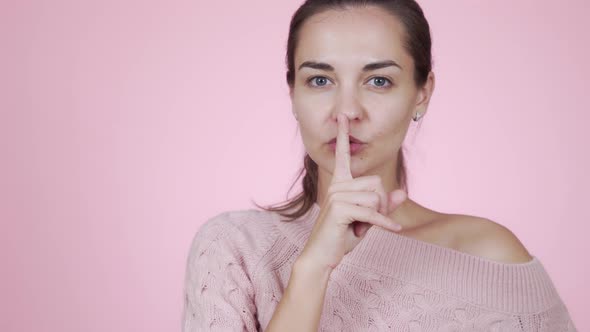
336	187
337	205
374	215
375	199
377	182
332	197
331	190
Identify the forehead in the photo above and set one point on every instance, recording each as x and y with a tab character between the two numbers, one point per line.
353	36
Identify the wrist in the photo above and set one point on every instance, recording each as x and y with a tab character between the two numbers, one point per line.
304	266
308	282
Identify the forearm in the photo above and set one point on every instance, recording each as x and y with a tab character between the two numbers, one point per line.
301	306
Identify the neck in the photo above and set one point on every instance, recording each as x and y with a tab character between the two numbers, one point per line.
325	179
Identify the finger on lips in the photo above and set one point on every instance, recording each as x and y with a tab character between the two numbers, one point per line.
343	173
342	155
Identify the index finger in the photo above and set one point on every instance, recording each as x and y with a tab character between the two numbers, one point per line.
342	154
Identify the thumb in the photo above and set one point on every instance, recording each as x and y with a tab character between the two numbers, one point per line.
361	228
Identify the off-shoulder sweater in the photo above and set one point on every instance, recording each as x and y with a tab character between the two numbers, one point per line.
240	261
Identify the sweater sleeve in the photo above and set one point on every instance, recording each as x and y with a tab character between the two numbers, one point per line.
218	293
554	319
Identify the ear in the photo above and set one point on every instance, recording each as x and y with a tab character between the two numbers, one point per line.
424	95
292	108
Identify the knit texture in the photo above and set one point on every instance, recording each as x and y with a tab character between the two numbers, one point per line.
240	262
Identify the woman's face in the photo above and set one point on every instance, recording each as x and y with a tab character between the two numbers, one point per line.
379	101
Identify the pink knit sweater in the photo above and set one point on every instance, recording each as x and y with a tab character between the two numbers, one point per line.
240	262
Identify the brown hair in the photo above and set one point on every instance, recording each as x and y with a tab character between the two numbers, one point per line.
417	43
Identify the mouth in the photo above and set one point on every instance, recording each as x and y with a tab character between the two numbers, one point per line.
351	139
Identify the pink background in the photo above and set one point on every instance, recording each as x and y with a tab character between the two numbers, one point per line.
126	125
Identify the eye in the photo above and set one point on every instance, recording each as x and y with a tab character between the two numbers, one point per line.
381	81
320	79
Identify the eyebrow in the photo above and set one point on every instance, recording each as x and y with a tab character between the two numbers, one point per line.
367	67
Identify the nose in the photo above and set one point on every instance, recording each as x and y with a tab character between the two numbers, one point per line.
348	104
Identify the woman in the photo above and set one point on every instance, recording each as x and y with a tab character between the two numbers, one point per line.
359	72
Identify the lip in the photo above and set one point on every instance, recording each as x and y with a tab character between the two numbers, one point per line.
351	139
354	147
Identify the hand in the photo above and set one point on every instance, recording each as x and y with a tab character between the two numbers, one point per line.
350	208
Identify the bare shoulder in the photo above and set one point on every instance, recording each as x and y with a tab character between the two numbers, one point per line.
486	238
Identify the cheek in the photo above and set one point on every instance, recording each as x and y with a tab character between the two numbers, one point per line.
390	132
390	121
310	113
311	105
